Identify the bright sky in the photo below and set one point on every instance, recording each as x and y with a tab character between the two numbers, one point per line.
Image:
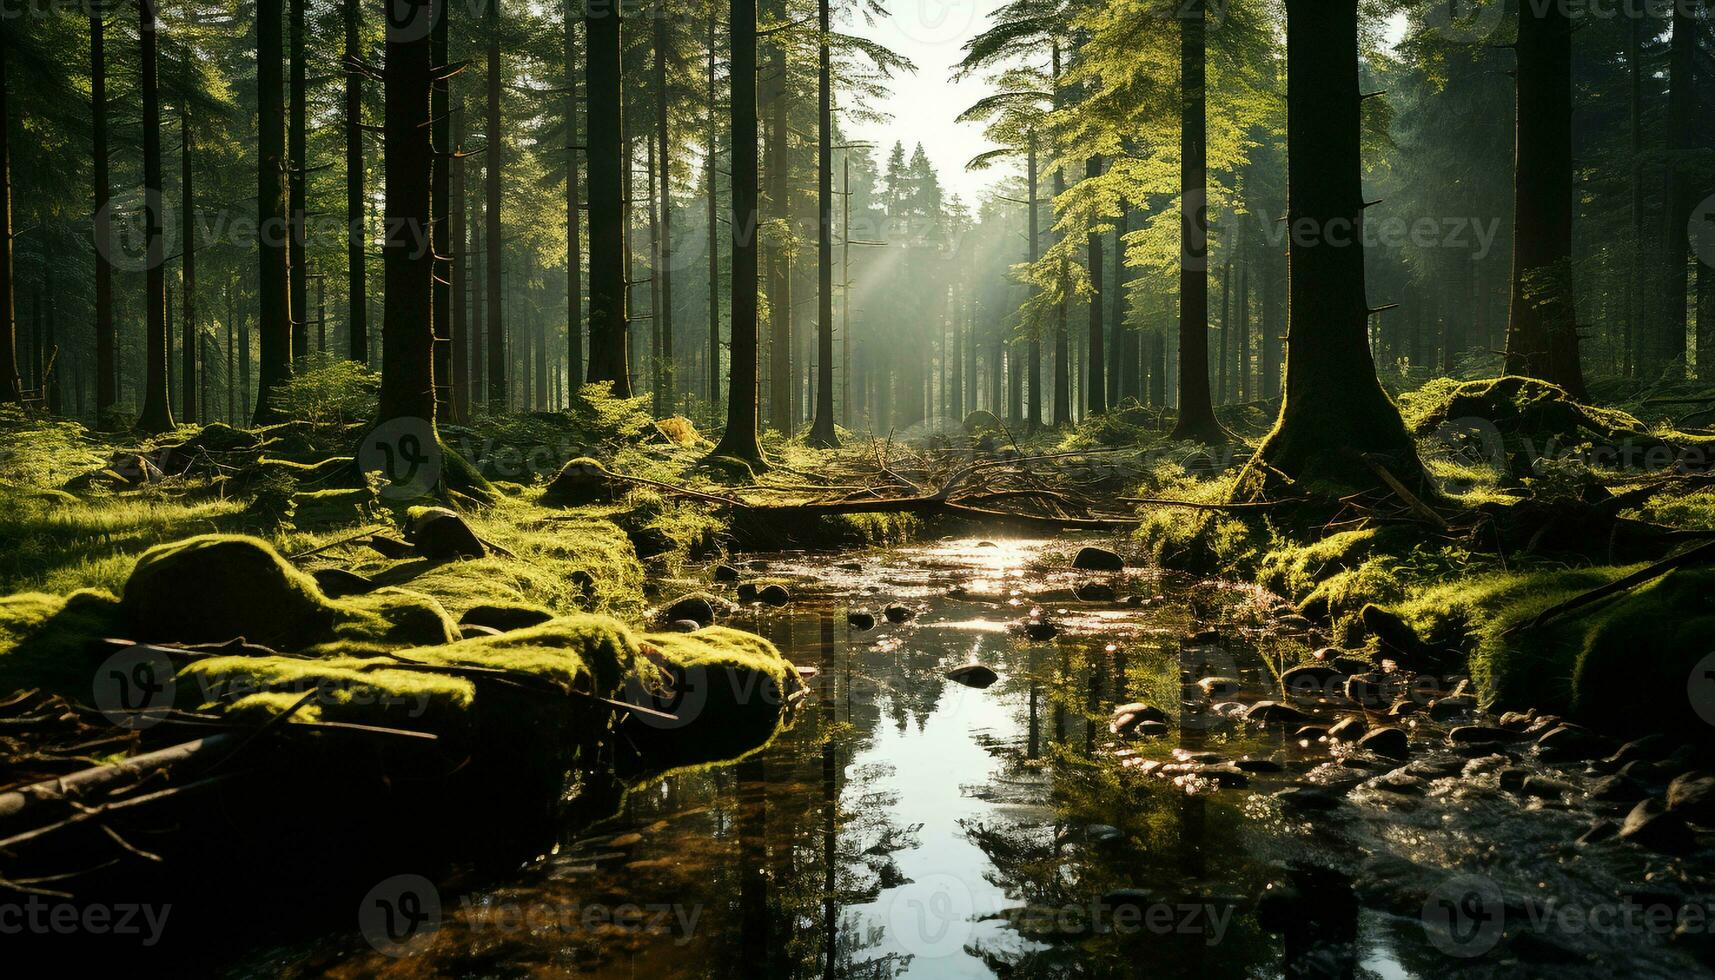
932	33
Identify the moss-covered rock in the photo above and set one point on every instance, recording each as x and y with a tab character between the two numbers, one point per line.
505	616
44	640
581	482
729	692
215	587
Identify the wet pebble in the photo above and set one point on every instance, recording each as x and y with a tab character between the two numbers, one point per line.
1098	560
1128	717
1348	729
775	595
684	626
1616	789
1220	687
725	573
1651	825
973	675
1388	741
1095	592
1308	798
1277	713
861	620
898	612
1544	787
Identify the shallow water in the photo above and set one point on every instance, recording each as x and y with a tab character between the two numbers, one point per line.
908	826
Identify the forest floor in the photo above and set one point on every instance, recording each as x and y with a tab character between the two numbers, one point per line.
247	587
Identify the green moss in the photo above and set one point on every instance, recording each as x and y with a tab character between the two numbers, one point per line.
761	530
318	508
589	653
44	640
1292	570
392	617
214	587
733	691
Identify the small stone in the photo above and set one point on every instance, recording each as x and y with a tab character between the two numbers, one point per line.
1313	680
1514	721
1220	687
1277	713
1398	782
973	675
1224	774
1651	825
337	582
1098	560
775	595
471	631
725	573
1372	690
987	544
1512	778
1127	717
898	612
1616	789
1481	735
696	608
684	626
1258	765
1544	787
1040	629
1444	709
1692	795
1599	831
1348	729
858	619
1389	741
1311	733
748	592
1095	592
1568	741
440	534
1645	771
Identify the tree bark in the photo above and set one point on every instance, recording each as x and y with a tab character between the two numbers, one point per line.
297	155
1119	378
106	394
606	161
192	348
407	326
273	297
460	269
668	389
1095	379
739	439
1335	411
1669	350
713	219
440	208
779	273
1542	337
574	247
1196	410
1033	407
496	334
157	413
822	433
357	277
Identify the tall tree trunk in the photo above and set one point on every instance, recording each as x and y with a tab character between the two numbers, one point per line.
574	247
1242	333
157	414
456	214
606	160
1033	407
668	388
106	392
1335	410
357	277
497	362
740	440
1062	351
779	272
822	433
1118	330
440	208
713	219
1095	380
1542	338
297	157
1670	349
407	325
192	348
1196	410
656	389
1223	392
1637	320
273	294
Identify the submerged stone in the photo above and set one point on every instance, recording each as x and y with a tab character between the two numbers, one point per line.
973	675
1098	560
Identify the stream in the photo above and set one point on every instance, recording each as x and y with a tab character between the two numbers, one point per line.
910	826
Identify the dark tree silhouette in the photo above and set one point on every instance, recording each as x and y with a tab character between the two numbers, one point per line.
273	299
608	327
192	348
822	433
106	393
357	277
1196	409
157	413
408	264
297	163
1335	422
740	440
497	363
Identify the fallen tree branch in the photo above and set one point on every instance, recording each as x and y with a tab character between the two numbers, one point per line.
1701	553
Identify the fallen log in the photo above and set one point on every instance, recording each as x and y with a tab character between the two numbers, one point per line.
100	779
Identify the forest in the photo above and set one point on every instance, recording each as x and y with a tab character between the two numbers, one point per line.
858	488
